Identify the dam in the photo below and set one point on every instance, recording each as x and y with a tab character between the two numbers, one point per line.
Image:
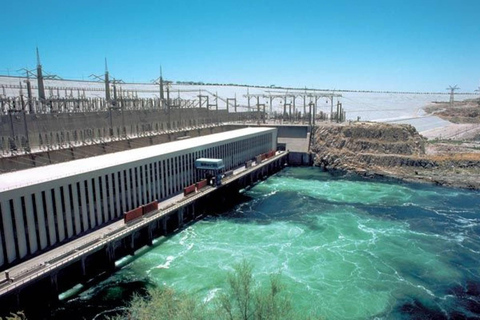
62	224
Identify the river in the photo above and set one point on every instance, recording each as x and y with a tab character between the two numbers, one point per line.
346	248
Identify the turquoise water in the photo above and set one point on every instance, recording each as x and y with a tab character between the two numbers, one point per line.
346	248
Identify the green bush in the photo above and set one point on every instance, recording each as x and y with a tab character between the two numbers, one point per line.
243	299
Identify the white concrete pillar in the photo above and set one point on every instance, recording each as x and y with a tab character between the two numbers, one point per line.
178	173
137	188
180	182
60	214
167	177
76	209
129	190
91	204
171	177
161	179
32	232
83	200
164	183
145	185
185	171
8	231
180	170
108	208
188	169
103	196
42	229
119	194
192	168
98	201
112	197
68	211
20	227
154	180
52	235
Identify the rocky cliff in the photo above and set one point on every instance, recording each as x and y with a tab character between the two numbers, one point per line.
391	150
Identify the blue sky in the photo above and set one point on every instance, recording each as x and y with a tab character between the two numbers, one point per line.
399	45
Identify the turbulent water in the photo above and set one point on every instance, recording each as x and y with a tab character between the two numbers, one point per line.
346	249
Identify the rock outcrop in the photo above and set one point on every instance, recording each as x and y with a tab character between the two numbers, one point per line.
396	151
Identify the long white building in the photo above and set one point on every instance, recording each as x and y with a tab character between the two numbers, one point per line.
42	207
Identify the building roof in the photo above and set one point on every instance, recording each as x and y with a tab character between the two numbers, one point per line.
209	163
27	177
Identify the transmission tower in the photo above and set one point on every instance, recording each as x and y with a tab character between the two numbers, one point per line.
160	83
107	82
41	88
452	90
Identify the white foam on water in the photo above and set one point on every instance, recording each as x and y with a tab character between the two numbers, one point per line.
167	263
211	295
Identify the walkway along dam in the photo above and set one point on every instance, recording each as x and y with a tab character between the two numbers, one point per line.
62	224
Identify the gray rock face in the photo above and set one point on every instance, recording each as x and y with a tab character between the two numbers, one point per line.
396	151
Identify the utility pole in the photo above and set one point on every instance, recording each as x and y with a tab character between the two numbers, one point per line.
304	105
29	95
160	83
234	104
258	109
331	108
314	112
452	90
271	104
169	119
310	109
338	112
294	108
41	88
107	83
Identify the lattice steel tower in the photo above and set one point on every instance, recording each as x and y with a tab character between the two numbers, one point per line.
452	90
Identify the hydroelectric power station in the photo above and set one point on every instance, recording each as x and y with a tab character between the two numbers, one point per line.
91	172
66	223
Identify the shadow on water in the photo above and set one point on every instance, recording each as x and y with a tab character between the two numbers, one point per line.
109	299
468	298
100	298
463	303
